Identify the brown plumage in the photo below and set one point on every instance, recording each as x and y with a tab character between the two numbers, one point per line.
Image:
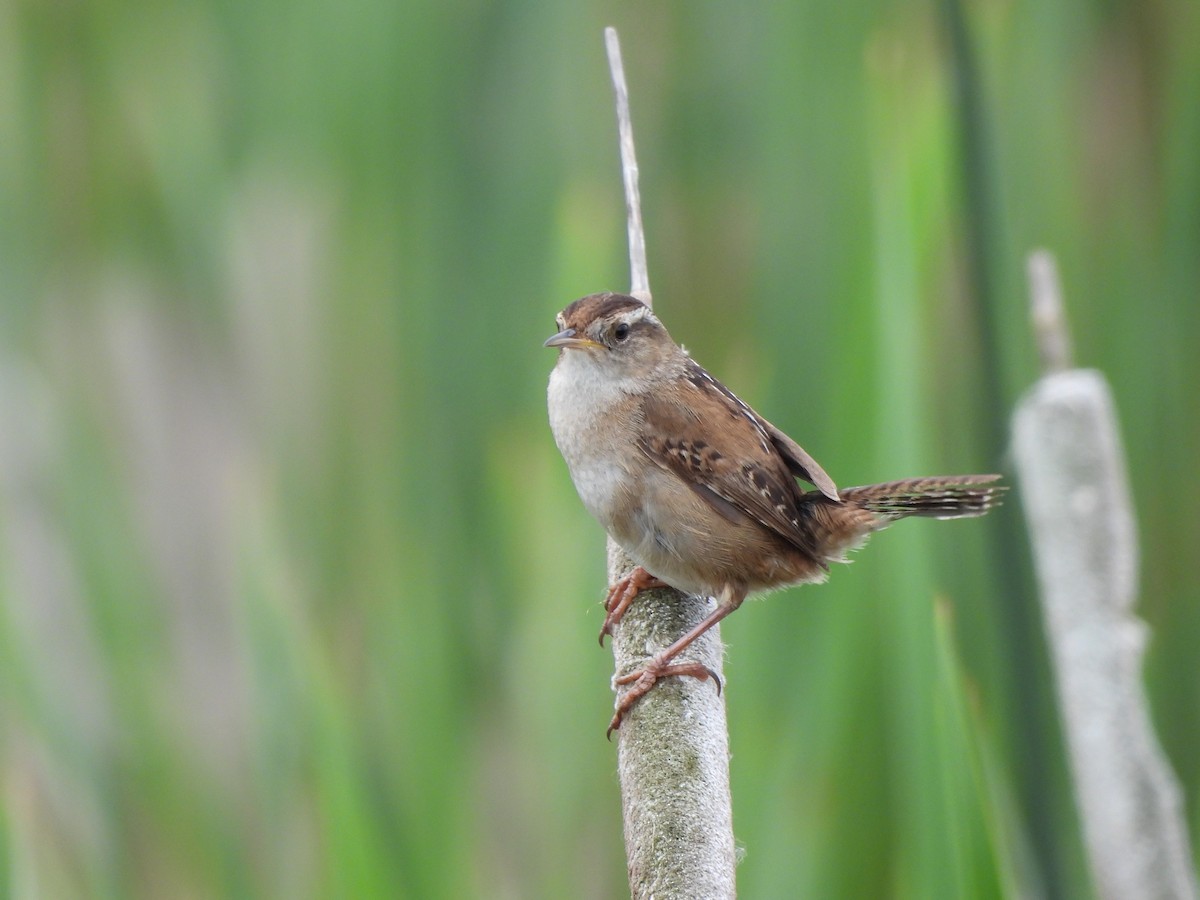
845	525
697	487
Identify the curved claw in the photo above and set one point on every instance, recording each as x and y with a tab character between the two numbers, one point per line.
622	594
645	678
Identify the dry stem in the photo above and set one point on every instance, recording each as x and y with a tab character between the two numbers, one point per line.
673	756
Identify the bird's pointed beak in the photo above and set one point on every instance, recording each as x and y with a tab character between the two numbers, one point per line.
569	339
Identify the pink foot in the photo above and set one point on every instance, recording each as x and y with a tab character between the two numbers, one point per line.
645	678
621	594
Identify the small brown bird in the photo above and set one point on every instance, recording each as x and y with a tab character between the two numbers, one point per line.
697	487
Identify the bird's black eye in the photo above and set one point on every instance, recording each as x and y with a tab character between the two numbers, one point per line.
621	331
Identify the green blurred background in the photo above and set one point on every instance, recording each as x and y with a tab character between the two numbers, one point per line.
297	598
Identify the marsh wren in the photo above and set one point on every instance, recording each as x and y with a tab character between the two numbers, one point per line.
699	489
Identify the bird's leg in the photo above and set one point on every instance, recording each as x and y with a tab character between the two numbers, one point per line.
643	679
621	594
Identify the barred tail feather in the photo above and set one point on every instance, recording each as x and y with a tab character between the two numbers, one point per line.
940	497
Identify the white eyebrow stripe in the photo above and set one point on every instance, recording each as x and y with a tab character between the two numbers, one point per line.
639	314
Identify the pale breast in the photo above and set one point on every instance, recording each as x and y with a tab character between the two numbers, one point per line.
586	413
662	523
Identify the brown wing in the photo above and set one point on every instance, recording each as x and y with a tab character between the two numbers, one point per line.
727	454
801	464
794	456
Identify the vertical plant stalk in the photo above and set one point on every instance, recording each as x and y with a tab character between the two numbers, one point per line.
1076	498
673	751
639	271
